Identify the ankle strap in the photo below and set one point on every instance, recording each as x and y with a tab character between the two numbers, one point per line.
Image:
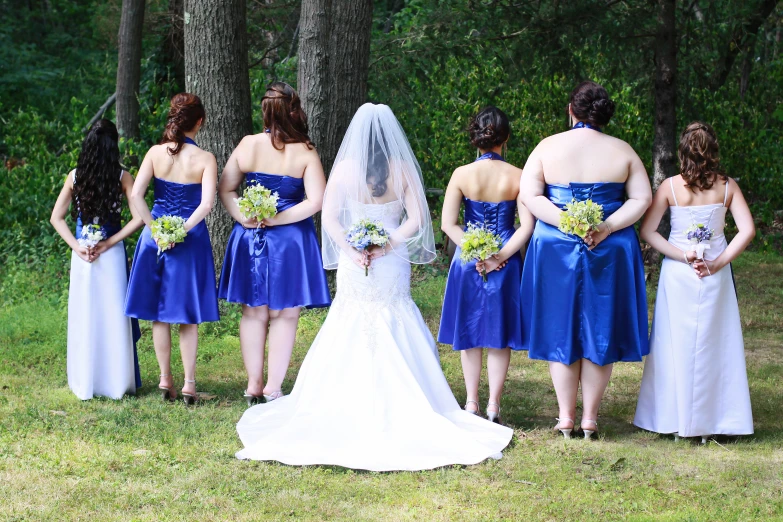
193	381
165	375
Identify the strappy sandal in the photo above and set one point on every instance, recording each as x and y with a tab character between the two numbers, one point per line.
565	431
166	393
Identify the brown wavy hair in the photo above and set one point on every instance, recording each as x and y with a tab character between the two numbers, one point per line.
489	128
185	112
283	116
700	157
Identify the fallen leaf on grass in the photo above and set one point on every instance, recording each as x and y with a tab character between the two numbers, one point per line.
618	464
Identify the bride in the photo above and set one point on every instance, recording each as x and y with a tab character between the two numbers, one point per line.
371	393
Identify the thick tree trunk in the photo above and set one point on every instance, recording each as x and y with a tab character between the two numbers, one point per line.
665	139
216	70
334	57
174	44
129	68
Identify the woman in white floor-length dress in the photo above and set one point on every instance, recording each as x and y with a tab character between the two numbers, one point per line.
101	357
371	393
694	382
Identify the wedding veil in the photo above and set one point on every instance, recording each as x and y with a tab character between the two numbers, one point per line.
374	172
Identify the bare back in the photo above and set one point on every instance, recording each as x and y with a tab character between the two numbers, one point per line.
186	167
256	154
488	180
585	156
719	193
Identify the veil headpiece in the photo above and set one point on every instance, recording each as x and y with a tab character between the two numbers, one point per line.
375	172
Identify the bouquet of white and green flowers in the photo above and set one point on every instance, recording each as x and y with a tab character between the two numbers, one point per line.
258	202
580	217
92	234
167	231
479	244
366	233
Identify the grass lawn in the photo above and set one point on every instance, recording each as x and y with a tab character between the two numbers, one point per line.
140	459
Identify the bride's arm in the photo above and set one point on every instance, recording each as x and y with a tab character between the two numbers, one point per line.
333	203
415	209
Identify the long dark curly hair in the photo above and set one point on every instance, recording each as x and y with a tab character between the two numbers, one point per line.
97	188
700	156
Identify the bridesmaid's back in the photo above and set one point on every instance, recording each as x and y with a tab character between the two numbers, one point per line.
186	167
491	181
257	154
585	156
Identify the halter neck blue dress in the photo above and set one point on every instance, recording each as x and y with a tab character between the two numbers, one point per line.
579	303
478	314
179	287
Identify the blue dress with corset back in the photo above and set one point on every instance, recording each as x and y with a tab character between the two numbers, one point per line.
179	287
478	314
579	303
280	266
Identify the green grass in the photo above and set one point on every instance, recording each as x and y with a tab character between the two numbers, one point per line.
140	459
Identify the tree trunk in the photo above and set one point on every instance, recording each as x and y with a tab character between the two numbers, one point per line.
665	139
216	70
334	57
129	68
174	45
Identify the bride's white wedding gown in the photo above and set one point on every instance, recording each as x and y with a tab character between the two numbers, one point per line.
371	393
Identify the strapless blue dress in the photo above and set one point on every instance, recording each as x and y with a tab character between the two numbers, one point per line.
178	288
279	267
583	304
478	314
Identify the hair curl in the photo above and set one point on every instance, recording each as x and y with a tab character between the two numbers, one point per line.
700	156
590	103
97	187
489	128
185	112
283	116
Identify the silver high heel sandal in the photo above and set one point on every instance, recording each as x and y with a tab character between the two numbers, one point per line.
252	400
565	431
589	433
165	393
190	398
704	439
493	416
471	411
273	396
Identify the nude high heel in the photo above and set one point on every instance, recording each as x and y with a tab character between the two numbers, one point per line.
165	392
589	433
493	416
471	411
565	431
190	398
273	396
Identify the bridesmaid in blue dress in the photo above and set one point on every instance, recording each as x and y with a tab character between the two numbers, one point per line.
177	287
478	315
584	304
274	268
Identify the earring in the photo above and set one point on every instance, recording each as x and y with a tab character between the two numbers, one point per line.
478	153
570	117
504	150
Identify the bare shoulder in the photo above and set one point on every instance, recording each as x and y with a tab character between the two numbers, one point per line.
460	174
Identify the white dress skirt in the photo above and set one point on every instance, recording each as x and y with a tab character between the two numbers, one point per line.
695	382
371	393
100	340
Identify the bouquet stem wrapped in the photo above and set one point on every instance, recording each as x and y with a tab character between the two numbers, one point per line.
699	236
366	233
580	217
479	244
167	231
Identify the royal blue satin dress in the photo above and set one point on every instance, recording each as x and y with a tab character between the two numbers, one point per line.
478	314
179	287
280	266
583	304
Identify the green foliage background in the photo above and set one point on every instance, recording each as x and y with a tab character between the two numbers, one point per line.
435	62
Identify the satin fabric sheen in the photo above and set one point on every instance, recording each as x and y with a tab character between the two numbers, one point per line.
695	382
278	266
101	357
478	314
583	304
178	288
